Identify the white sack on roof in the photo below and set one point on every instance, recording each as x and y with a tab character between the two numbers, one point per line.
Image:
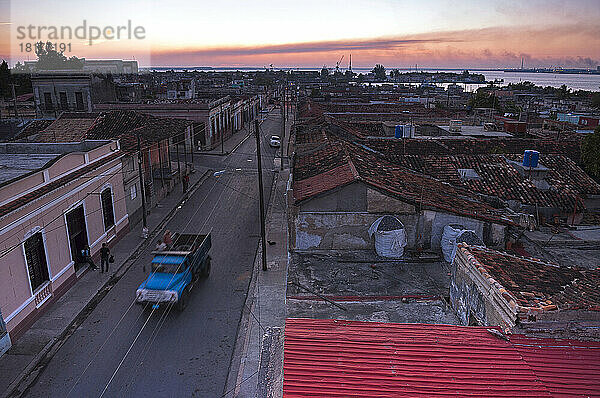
454	234
390	237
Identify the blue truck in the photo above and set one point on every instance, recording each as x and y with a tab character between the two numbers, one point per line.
175	271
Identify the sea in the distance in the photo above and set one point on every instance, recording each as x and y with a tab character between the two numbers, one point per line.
572	81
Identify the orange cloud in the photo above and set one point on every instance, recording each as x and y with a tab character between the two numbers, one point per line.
567	45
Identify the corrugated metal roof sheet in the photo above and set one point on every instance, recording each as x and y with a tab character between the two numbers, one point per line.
337	358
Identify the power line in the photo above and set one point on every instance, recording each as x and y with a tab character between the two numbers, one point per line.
152	273
161	323
10	249
189	222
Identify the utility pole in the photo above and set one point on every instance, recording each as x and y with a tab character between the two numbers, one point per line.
283	134
222	150
261	198
178	164
14	100
141	177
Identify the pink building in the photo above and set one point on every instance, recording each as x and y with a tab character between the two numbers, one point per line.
54	200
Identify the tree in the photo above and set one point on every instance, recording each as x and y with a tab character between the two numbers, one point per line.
522	86
596	100
379	72
482	99
50	59
563	92
590	153
4	79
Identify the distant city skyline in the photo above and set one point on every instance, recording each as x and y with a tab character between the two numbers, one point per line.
432	34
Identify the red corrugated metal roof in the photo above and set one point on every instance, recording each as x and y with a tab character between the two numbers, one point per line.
337	358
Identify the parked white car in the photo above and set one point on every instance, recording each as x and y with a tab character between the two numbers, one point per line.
275	141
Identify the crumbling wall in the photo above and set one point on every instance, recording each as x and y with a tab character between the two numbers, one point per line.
562	324
474	297
380	203
494	235
350	198
333	230
466	299
341	218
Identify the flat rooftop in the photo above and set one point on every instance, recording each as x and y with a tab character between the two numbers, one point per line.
14	165
368	288
19	159
475	131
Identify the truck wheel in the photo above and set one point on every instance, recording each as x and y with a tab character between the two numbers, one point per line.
206	270
182	303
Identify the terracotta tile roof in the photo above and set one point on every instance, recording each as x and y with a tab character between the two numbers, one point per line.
338	358
69	127
335	163
322	145
118	124
529	283
476	146
125	125
568	183
326	181
33	127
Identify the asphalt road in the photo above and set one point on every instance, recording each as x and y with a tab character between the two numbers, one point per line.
124	350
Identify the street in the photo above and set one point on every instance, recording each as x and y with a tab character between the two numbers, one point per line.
124	350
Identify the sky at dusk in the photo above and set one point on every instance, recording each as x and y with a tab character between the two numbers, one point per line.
310	33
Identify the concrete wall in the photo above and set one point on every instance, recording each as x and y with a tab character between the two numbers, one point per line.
341	218
131	181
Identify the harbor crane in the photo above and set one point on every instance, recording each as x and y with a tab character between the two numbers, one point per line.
337	65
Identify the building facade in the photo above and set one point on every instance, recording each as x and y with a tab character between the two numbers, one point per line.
55	199
5	343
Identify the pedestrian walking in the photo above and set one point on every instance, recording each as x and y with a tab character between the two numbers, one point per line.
86	257
104	256
186	183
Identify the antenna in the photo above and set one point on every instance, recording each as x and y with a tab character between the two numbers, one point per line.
350	64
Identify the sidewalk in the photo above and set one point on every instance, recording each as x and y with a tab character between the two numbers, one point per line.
257	362
231	143
260	340
25	359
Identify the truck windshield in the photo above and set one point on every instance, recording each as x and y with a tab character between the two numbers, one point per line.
168	268
169	265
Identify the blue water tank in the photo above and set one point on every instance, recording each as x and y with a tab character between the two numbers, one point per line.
531	158
527	158
535	158
399	131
